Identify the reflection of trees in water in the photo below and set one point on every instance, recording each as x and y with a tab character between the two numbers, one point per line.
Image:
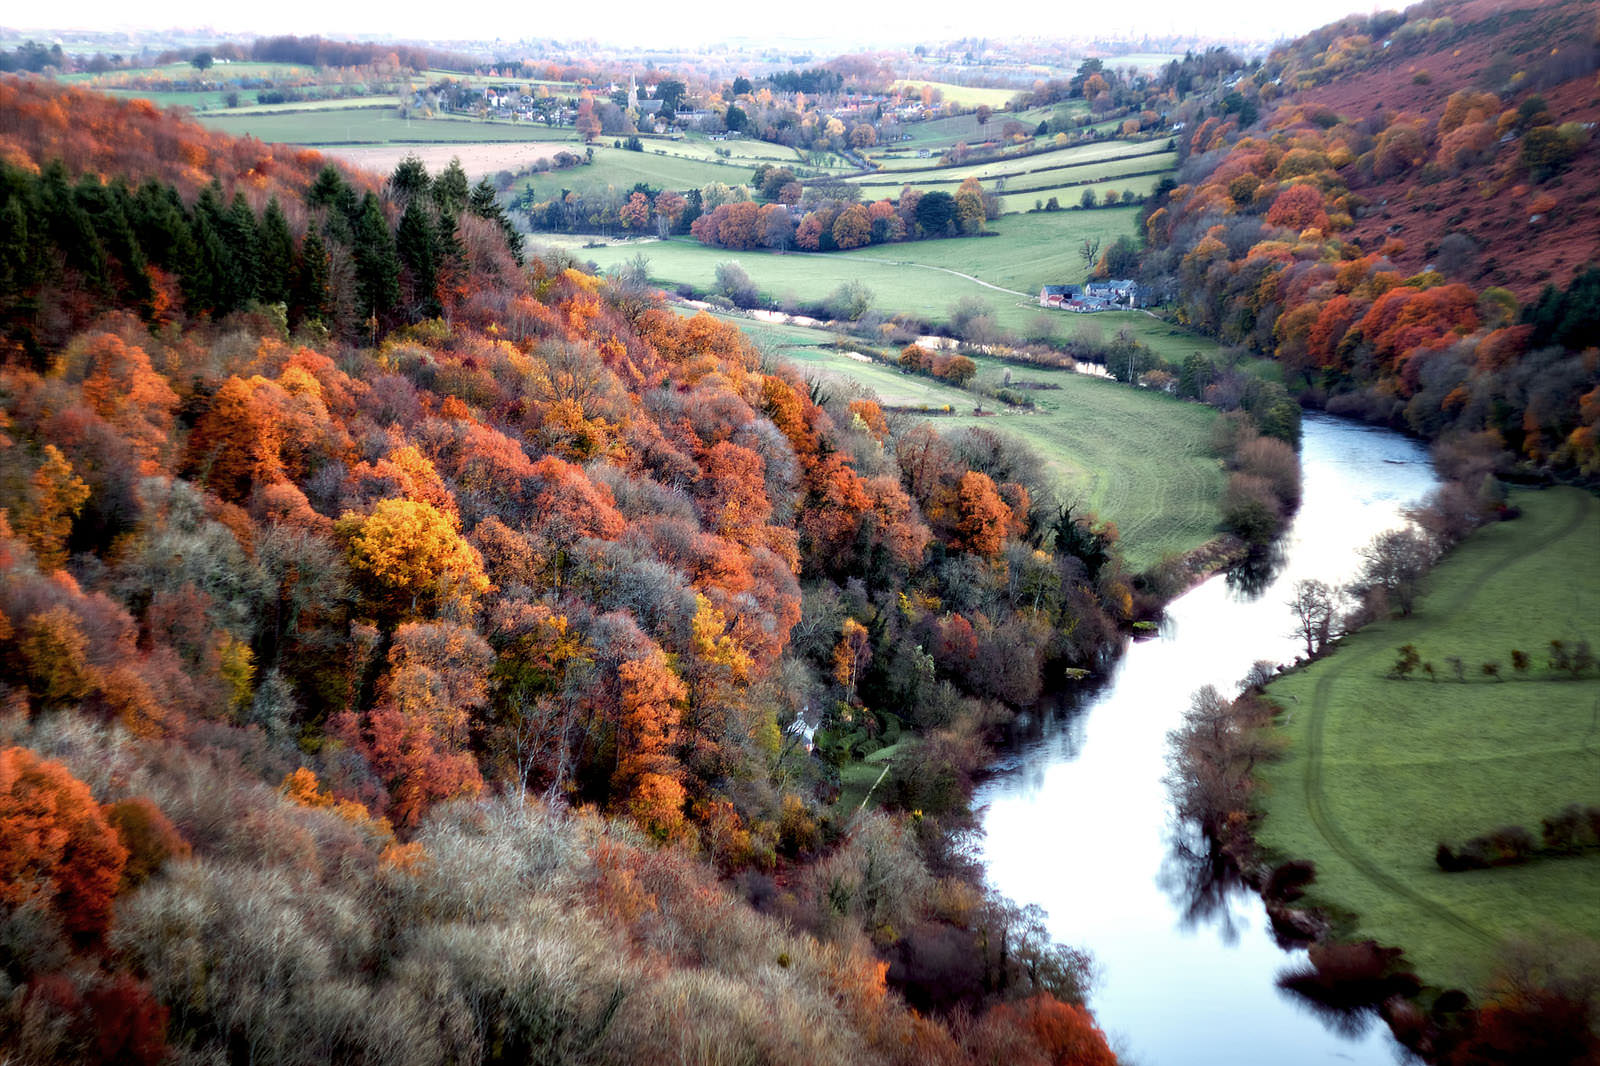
1253	575
1202	882
1051	732
1347	1019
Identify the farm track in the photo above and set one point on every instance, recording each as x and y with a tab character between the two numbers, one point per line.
1314	778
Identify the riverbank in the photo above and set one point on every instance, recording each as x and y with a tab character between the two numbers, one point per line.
1381	768
1077	816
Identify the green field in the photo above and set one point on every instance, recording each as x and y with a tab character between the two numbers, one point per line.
185	71
621	168
663	164
921	278
1139	458
1037	164
940	133
1379	771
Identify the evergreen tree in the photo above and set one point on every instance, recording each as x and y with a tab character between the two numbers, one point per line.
19	215
410	179
277	255
377	265
244	242
103	205
415	243
311	299
208	284
68	227
450	190
331	191
160	224
486	204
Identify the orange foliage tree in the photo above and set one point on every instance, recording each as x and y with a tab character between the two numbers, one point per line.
56	847
981	516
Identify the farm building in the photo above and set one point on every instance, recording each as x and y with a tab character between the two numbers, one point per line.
1092	296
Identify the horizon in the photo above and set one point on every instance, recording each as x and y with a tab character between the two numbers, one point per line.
638	25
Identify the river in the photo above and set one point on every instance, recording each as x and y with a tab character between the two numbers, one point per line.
1077	818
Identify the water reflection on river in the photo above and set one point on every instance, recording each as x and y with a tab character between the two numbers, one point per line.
1078	821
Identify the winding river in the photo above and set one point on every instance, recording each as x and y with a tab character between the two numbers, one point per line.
1077	819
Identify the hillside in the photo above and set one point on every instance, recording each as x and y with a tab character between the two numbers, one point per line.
1400	210
1529	230
408	656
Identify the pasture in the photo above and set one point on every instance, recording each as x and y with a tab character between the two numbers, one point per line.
375	126
1380	770
921	278
961	95
478	160
663	164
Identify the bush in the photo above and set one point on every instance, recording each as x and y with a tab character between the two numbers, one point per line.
1288	881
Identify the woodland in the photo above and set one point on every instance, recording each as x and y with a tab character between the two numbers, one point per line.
411	656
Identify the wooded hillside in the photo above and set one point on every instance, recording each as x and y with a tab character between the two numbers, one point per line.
408	656
1409	224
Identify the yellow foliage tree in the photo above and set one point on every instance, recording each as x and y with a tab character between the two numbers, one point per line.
58	496
414	559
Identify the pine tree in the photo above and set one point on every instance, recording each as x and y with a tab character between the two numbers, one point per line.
277	256
377	265
450	190
244	241
208	284
311	300
331	191
486	204
415	243
410	179
69	228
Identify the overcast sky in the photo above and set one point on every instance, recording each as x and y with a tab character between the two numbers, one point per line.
641	22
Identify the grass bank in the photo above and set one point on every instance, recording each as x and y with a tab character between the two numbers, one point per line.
1379	770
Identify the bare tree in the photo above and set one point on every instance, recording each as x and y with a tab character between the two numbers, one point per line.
1089	251
1316	606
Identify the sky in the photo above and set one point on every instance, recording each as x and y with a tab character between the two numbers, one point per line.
851	23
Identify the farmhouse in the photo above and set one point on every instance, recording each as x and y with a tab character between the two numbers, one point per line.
1092	296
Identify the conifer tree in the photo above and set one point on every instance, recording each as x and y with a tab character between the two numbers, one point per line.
244	242
277	255
486	204
377	265
311	300
415	242
450	190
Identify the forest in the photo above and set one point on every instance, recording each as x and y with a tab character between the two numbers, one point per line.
411	655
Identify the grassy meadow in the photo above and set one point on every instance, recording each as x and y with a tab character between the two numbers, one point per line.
921	278
964	95
347	125
1379	771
